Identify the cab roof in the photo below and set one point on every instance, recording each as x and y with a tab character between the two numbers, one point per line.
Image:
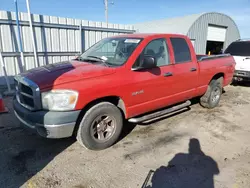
147	35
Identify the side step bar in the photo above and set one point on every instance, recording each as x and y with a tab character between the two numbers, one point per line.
159	113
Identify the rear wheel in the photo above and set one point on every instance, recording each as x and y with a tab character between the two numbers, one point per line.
212	96
100	127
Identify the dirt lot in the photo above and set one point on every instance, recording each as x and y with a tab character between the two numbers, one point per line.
196	148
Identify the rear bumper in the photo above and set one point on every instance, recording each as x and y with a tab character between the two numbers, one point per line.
47	123
241	75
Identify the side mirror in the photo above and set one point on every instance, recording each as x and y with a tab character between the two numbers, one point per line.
148	62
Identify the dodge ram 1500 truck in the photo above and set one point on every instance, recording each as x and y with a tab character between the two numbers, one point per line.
131	77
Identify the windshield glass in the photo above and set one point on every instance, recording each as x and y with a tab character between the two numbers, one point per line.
239	48
113	51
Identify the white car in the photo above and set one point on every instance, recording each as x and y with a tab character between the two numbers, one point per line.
240	50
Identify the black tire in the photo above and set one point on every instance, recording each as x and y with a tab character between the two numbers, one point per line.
208	100
86	135
234	82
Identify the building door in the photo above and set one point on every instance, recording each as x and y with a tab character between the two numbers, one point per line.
216	36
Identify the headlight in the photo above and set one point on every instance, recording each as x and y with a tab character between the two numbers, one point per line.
59	100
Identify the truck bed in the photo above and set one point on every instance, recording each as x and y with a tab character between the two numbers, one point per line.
210	57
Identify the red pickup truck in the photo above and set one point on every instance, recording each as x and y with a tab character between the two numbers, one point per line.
133	77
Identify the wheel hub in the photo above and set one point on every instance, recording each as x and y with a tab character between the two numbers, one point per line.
215	95
103	128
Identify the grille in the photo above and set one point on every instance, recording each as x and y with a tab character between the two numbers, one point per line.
27	90
27	93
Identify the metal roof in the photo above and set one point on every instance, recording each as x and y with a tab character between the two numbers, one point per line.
180	25
195	27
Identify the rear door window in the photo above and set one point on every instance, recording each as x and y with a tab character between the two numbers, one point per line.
239	48
181	50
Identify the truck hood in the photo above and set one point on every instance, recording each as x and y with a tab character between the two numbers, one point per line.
64	72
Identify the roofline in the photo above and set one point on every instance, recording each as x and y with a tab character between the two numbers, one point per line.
205	13
146	35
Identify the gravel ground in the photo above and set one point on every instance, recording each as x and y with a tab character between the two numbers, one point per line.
195	148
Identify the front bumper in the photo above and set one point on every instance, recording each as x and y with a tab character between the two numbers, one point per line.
47	123
241	75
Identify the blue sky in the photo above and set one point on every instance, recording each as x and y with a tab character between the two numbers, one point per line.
134	11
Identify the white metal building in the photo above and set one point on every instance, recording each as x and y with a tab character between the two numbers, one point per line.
207	31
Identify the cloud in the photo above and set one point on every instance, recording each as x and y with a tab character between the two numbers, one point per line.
241	16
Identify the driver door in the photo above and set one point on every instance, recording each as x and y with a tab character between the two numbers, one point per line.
150	87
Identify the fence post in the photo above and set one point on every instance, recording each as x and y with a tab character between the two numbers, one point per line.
80	33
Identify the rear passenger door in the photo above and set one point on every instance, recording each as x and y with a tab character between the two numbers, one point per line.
185	69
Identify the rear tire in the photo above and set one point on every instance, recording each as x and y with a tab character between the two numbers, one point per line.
212	96
100	127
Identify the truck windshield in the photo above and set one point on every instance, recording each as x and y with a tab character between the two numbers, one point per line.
112	51
239	48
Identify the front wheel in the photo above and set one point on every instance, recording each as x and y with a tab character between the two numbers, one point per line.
100	127
212	96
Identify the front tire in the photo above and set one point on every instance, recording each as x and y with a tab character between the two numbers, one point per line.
100	127
212	96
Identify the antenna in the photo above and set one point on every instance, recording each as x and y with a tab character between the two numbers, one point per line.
106	9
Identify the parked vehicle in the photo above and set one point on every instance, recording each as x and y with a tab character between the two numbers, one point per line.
240	50
133	77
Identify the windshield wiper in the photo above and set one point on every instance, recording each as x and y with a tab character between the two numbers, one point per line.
95	57
91	58
80	58
100	59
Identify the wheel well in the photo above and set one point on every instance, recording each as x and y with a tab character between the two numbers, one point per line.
218	75
117	101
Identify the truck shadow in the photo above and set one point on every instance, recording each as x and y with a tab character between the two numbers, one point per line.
241	84
129	127
23	154
192	169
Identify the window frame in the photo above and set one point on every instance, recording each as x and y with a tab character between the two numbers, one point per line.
168	51
189	61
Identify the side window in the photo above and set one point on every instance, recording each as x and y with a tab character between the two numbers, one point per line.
158	49
181	50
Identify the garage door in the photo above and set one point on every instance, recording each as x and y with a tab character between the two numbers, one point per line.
216	33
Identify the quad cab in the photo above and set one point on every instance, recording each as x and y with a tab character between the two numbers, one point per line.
135	77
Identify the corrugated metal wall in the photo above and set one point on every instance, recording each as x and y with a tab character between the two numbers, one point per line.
198	30
57	39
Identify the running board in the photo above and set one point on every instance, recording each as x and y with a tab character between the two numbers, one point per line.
159	113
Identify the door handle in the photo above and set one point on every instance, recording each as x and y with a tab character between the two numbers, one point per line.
193	69
168	74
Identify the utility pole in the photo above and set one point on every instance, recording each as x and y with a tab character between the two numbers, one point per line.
32	33
106	10
22	65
